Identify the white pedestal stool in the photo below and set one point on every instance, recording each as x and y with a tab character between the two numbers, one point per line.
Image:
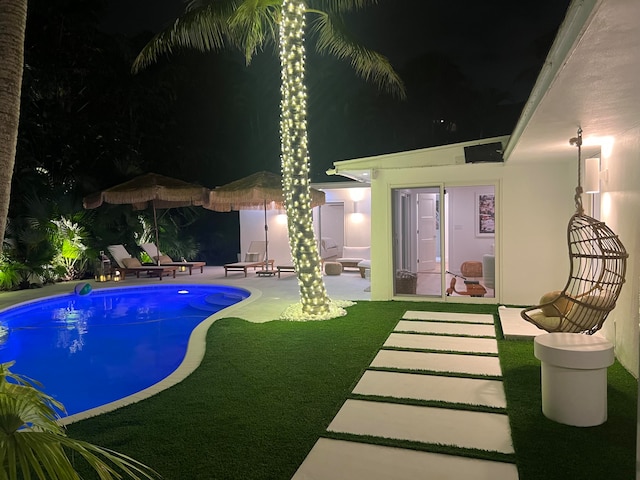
574	377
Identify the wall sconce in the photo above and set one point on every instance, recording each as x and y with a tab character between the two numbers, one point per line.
281	219
592	175
355	206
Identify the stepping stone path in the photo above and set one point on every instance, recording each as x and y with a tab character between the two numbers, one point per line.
447	359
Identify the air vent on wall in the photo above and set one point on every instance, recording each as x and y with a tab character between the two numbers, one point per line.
489	152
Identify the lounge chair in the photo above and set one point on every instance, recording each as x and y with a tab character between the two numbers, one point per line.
328	248
128	264
353	256
165	260
255	257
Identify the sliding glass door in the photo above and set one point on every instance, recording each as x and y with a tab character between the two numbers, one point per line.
444	241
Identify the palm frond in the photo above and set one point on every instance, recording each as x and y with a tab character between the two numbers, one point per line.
203	29
333	38
253	24
32	443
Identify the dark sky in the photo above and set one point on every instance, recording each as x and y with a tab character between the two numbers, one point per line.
492	41
498	45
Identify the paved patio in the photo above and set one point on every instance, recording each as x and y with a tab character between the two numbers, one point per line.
270	295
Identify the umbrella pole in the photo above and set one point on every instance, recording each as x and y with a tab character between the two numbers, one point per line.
266	238
155	222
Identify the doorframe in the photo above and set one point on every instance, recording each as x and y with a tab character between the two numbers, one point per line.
444	219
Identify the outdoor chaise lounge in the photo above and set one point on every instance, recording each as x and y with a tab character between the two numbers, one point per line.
128	264
328	248
353	256
255	258
166	260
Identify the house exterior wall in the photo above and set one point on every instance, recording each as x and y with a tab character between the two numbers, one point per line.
357	226
534	204
620	210
252	228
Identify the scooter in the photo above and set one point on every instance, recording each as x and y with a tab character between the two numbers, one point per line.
474	289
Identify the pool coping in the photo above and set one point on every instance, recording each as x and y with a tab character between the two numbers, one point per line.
192	359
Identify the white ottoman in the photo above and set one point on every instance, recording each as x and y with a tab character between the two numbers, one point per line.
574	377
365	268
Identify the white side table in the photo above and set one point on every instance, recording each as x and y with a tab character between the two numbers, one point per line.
574	377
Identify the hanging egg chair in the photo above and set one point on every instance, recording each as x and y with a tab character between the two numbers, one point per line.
598	263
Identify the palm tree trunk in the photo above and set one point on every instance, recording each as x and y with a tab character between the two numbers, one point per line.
295	160
13	20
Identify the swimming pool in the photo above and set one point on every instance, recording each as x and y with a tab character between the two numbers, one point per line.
89	350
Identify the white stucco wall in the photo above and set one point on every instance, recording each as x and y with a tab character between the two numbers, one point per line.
620	210
357	227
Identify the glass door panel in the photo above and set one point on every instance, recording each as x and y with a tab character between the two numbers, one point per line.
444	243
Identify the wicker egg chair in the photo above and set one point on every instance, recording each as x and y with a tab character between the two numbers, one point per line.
598	263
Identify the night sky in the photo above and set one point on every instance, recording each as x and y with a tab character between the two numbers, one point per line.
498	46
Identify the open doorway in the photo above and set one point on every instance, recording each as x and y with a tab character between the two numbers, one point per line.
444	241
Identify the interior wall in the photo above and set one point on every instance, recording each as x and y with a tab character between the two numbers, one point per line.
464	245
620	210
357	226
357	213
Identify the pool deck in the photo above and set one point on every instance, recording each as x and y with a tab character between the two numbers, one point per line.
270	295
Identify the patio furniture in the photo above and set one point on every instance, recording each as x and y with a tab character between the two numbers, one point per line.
352	256
285	268
261	190
162	259
406	282
598	264
255	258
364	265
328	248
128	264
332	268
574	377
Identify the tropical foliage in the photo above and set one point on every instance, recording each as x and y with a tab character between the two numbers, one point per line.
13	19
34	445
249	26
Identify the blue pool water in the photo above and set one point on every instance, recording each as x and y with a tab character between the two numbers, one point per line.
89	350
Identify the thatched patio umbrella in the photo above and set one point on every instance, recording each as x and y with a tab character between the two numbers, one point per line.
152	190
261	190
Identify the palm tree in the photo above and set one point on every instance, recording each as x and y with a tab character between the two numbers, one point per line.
13	21
33	444
248	25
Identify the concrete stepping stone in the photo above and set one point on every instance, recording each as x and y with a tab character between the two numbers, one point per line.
446	328
478	430
449	316
439	342
438	362
514	327
470	391
341	460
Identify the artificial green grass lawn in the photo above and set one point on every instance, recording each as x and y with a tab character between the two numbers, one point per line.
265	393
549	450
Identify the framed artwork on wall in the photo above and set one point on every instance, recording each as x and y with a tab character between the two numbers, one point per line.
485	215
